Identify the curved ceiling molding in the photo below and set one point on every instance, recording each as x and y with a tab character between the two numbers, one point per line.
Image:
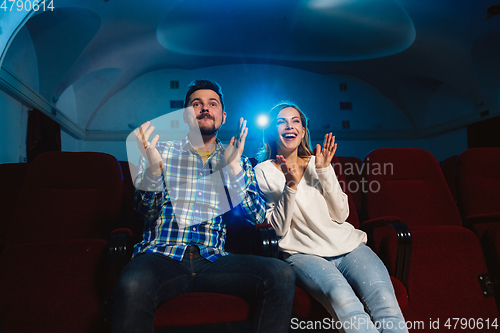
88	92
10	25
20	60
59	38
318	30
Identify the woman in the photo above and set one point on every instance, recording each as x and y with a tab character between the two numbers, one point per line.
307	208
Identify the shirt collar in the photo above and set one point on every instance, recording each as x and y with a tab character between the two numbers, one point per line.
186	145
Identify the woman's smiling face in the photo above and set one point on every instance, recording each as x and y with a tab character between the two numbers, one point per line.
290	129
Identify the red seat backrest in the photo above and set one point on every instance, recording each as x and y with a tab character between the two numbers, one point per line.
13	175
478	181
353	217
68	196
351	169
448	169
408	183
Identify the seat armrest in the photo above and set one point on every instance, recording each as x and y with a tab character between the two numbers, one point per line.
403	257
378	230
265	241
120	247
244	237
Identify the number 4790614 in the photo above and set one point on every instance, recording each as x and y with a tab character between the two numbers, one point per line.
472	323
27	5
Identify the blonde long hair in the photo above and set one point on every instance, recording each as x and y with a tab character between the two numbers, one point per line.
269	147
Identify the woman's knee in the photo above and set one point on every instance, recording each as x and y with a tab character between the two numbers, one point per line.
383	299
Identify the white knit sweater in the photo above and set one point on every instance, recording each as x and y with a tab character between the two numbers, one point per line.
312	218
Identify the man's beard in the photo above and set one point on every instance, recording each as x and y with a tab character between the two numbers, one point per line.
208	129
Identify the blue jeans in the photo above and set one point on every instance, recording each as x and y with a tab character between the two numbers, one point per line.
150	280
336	283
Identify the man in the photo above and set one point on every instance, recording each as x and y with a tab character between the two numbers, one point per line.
183	189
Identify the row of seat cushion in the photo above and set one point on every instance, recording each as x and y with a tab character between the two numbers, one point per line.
52	269
407	185
477	182
55	271
80	257
443	257
70	212
477	172
411	189
473	178
417	308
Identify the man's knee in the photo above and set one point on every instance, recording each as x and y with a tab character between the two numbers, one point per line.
130	286
279	273
286	272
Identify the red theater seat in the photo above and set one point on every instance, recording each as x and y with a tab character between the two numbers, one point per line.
478	187
448	169
52	269
351	170
130	219
13	175
446	258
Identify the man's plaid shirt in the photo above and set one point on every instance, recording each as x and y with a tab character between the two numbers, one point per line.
190	211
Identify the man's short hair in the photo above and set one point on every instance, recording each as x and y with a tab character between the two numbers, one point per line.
203	84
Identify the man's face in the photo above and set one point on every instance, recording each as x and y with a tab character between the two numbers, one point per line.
205	110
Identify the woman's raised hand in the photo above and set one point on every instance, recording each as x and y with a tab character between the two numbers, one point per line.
324	156
291	171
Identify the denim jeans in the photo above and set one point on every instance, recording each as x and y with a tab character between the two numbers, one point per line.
150	280
336	282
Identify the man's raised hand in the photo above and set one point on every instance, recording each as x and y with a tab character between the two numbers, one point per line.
148	150
235	148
